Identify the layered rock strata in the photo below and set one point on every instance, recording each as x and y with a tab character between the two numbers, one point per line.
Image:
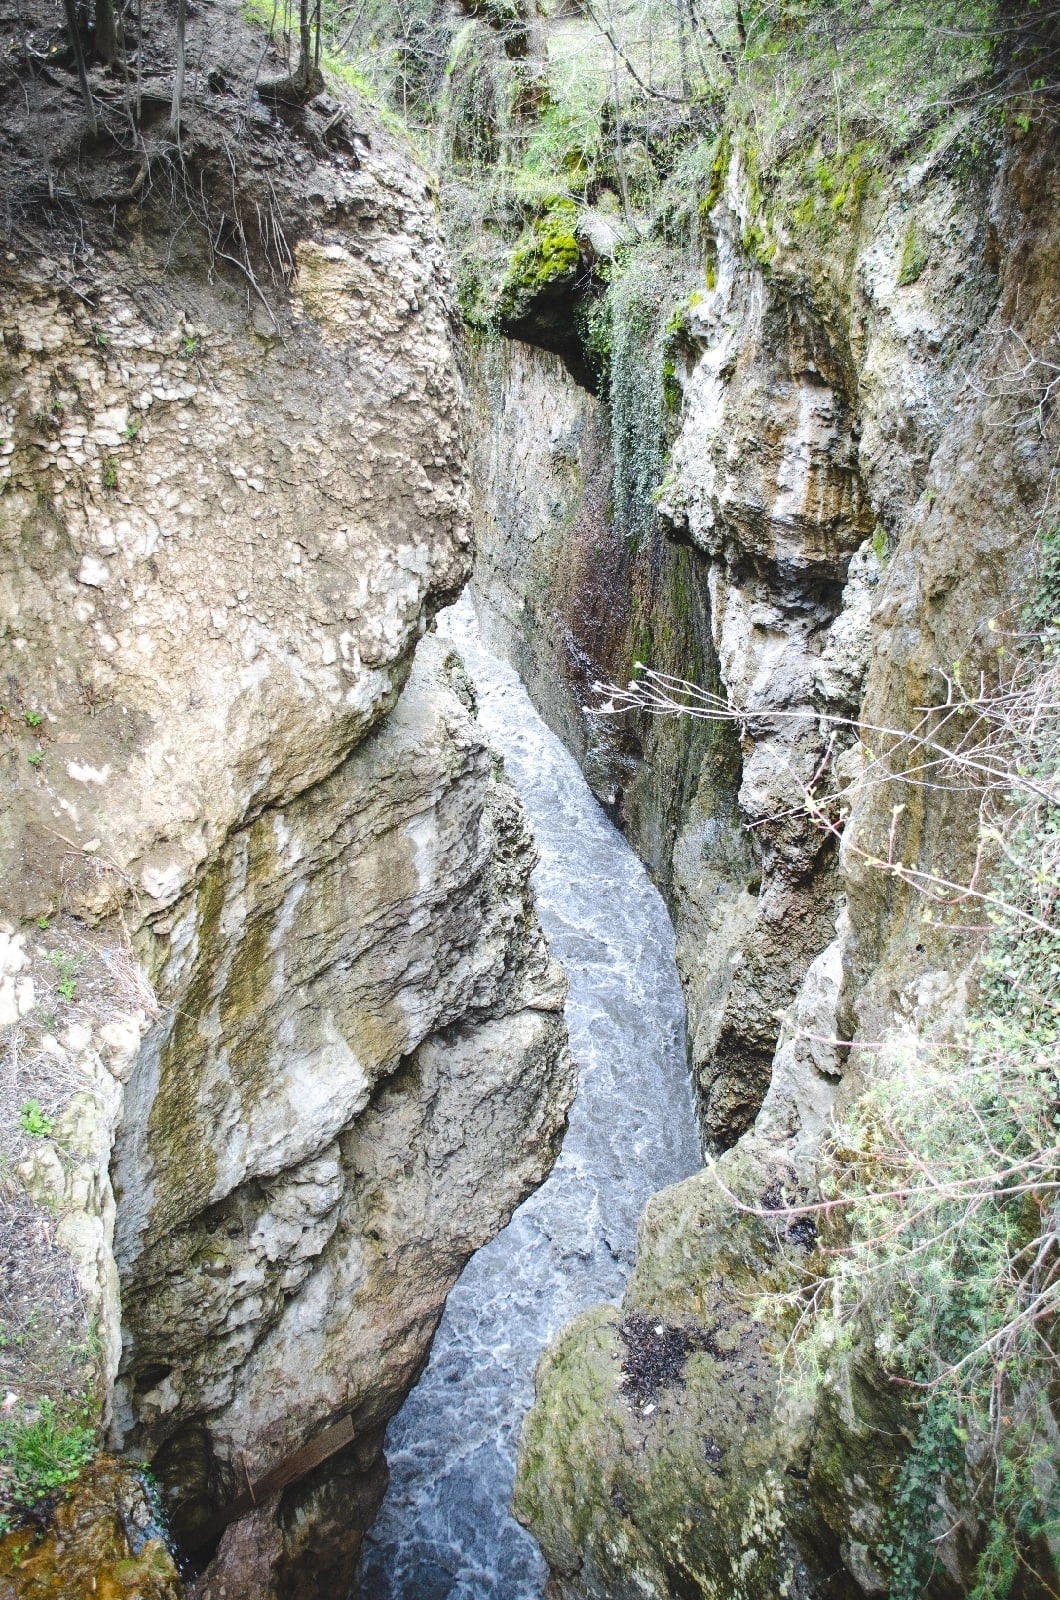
362	1074
225	536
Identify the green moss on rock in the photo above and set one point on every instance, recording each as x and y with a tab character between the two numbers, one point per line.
722	1485
547	258
100	1541
914	255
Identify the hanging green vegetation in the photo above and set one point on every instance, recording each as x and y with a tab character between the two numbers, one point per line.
635	390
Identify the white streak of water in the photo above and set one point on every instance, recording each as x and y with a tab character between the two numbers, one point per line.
445	1531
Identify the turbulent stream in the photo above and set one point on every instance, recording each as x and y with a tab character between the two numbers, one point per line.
445	1531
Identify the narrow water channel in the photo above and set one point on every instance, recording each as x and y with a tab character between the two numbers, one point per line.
445	1531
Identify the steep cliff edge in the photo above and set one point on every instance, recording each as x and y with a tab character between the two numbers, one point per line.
809	390
234	494
862	462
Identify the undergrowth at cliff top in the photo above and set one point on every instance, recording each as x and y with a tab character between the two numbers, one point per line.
632	114
606	105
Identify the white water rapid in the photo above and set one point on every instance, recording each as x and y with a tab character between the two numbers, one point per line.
444	1531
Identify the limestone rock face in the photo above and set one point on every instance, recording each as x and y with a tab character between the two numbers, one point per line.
225	535
551	579
362	1074
69	1172
715	1482
812	405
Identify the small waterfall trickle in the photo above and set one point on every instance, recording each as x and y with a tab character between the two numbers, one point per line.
445	1531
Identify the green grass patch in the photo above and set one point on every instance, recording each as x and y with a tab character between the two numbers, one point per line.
40	1457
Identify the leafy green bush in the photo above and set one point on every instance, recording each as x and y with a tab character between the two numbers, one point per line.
33	1121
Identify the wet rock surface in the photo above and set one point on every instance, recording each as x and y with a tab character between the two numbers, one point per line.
100	1539
376	1041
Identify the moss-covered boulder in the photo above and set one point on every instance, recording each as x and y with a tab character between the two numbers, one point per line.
545	261
541	286
664	1458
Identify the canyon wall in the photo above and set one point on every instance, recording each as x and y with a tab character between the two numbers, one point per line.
856	477
271	939
237	759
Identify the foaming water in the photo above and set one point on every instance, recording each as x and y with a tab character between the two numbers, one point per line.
445	1531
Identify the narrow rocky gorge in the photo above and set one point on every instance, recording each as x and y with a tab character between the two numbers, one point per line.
445	1524
653	383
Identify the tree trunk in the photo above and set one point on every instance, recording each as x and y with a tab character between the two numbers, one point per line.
79	58
106	32
305	44
682	51
178	76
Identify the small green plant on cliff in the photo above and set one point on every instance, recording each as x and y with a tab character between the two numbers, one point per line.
67	968
32	1120
548	256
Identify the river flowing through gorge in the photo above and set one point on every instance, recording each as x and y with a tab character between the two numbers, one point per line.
445	1529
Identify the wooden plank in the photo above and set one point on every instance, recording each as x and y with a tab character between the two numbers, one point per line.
286	1472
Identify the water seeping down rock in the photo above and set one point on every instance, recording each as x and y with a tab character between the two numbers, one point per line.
229	516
